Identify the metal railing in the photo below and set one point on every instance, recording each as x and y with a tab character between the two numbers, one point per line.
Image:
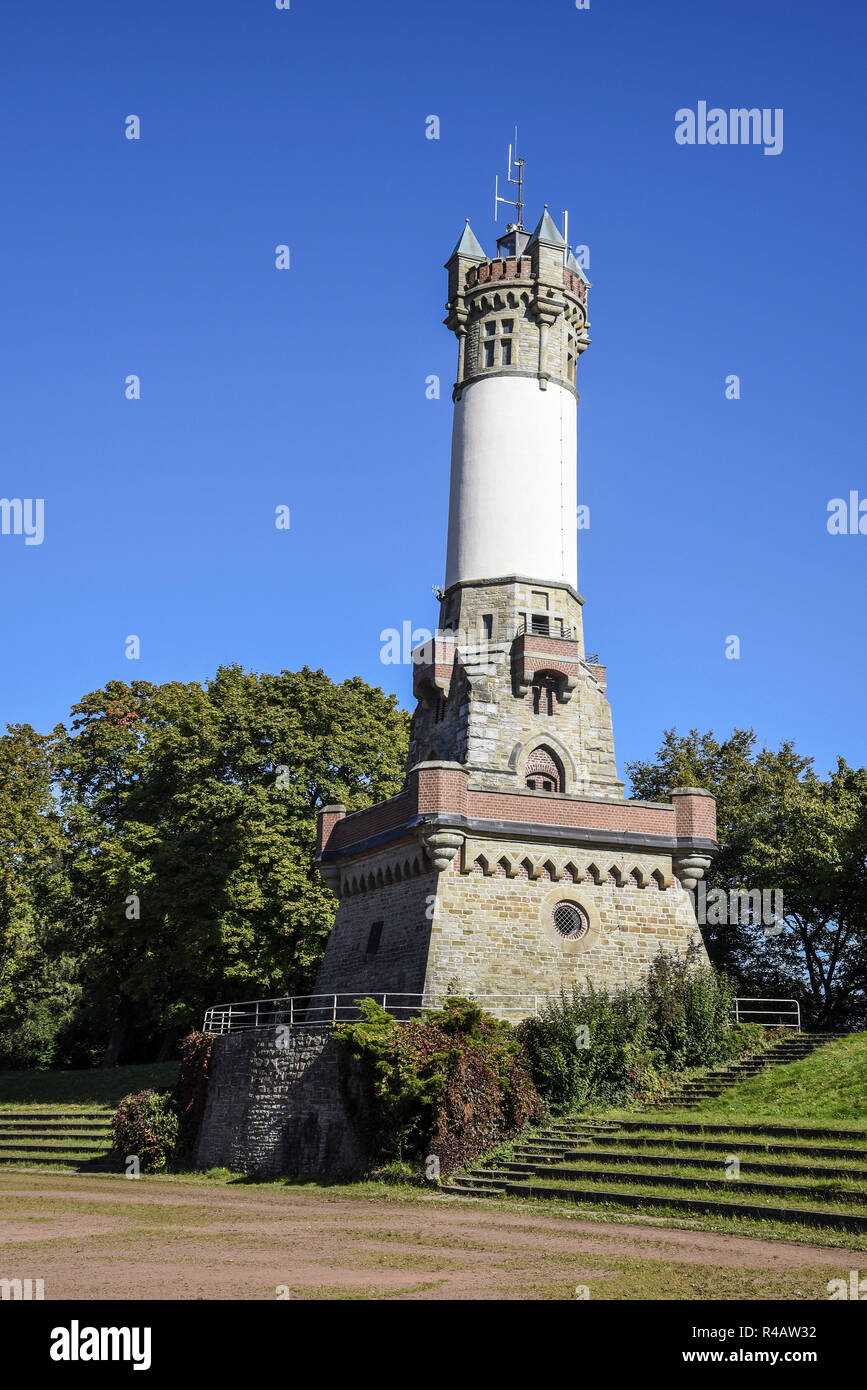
786	1013
327	1010
531	629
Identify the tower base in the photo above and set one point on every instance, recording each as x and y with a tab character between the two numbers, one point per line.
452	887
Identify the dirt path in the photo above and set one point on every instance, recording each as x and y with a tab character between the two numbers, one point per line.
111	1238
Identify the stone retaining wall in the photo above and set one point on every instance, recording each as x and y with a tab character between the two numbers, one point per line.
283	1102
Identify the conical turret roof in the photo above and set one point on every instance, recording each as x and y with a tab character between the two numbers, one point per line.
468	245
545	230
572	264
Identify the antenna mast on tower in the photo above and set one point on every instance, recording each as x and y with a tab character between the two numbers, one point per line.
518	203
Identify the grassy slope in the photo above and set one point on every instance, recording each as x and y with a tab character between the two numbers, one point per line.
828	1086
71	1089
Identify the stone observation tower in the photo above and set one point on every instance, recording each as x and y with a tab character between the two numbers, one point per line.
511	864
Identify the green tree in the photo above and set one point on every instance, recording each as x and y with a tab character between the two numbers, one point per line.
192	816
37	983
782	828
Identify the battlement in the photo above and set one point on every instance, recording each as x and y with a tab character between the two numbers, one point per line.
518	268
500	268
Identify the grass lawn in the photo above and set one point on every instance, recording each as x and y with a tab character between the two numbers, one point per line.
82	1089
827	1087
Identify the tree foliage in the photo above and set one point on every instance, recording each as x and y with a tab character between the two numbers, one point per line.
183	836
782	827
38	990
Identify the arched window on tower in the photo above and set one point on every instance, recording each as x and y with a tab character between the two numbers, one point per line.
543	772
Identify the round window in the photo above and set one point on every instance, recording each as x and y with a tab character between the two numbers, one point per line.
570	920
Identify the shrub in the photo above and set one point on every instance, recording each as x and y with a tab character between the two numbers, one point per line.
590	1046
689	1008
146	1124
449	1084
614	1048
191	1092
745	1039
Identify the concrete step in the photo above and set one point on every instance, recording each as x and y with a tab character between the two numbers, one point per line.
48	1149
773	1131
592	1158
55	1132
101	1164
802	1216
741	1146
459	1187
537	1154
752	1186
582	1124
101	1116
561	1137
503	1171
688	1093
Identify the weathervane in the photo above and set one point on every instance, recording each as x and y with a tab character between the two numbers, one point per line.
518	204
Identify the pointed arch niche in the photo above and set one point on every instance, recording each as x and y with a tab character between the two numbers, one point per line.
543	770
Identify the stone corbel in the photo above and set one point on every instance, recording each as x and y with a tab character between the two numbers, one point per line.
457	315
478	678
566	689
442	846
546	310
330	875
689	868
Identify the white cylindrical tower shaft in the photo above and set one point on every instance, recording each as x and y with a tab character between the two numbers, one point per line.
513	498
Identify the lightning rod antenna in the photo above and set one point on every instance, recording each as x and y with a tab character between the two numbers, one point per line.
517	203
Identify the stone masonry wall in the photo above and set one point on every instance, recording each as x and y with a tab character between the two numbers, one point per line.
524	293
400	959
494	934
484	717
296	1109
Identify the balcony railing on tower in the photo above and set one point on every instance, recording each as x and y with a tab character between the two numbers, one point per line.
540	625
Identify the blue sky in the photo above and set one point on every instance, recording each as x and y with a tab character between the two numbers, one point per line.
306	387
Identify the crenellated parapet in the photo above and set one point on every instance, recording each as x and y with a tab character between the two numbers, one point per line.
520	268
500	268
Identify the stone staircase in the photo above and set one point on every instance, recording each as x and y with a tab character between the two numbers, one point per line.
800	1175
712	1083
78	1140
797	1174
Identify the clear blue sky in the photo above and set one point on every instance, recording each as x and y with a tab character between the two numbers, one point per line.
306	387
